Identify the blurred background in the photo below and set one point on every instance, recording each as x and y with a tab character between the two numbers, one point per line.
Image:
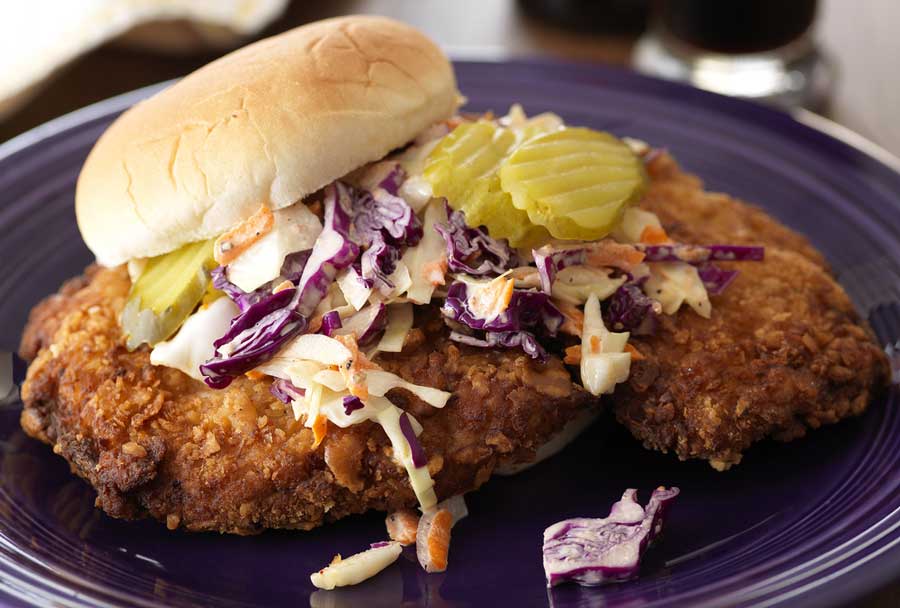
835	57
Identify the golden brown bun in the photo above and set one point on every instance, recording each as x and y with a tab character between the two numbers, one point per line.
267	124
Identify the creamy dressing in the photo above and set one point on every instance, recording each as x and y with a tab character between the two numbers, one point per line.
575	284
603	362
356	568
295	229
400	321
429	251
634	222
193	344
673	284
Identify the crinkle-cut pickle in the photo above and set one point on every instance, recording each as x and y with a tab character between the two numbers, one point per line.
576	182
463	169
166	293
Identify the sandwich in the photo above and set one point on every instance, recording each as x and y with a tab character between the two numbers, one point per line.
321	289
260	344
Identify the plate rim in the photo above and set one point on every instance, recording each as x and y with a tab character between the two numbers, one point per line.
863	582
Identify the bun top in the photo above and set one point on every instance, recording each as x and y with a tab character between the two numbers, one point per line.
268	124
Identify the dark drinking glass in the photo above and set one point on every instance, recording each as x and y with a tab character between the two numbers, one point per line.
757	49
730	27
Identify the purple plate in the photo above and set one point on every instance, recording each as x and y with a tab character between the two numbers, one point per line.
811	523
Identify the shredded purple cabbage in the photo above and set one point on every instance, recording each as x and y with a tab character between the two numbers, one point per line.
598	551
291	270
526	310
331	322
393	180
698	254
253	338
380	544
716	279
367	324
285	391
630	309
415	448
264	327
550	260
384	223
472	250
381	213
352	403
505	339
333	250
377	263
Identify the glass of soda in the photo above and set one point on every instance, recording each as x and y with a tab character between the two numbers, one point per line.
757	49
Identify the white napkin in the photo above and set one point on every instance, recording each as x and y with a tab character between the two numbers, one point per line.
37	37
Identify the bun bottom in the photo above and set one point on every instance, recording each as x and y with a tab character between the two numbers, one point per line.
554	445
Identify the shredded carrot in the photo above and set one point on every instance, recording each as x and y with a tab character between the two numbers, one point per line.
654	235
611	253
595	344
525	276
282	286
402	526
493	298
573	355
315	324
316	208
636	355
434	272
354	372
320	429
439	540
573	323
255	375
237	240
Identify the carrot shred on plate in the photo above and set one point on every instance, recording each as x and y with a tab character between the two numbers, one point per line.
438	541
595	344
402	526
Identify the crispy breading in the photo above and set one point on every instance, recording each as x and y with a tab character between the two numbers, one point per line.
690	214
783	351
153	441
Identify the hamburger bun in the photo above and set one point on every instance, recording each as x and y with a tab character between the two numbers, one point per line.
266	125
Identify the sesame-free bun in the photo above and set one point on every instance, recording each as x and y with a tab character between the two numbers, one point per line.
268	124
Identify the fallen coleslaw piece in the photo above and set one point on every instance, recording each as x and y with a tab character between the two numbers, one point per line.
358	567
598	551
433	533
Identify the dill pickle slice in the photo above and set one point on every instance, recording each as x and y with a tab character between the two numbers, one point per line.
463	169
166	293
576	182
490	206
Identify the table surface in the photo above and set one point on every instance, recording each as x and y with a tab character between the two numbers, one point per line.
859	38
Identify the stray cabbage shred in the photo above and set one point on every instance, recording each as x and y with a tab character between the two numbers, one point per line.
309	292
